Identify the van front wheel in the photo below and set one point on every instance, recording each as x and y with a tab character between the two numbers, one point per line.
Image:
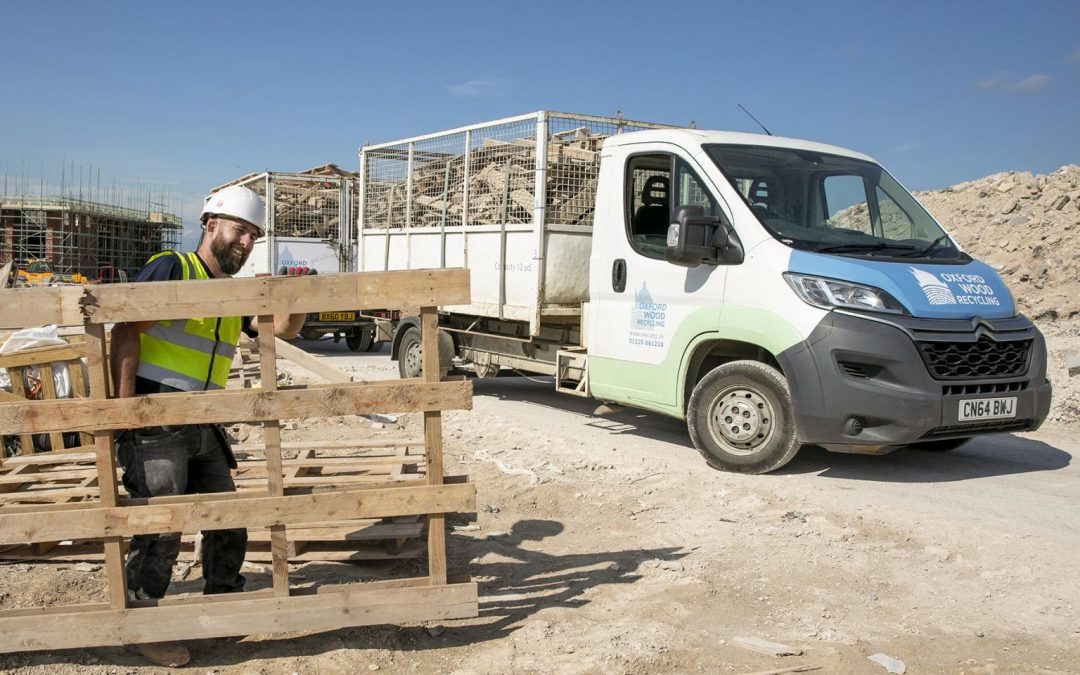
740	418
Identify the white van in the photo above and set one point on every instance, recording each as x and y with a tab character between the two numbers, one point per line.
772	292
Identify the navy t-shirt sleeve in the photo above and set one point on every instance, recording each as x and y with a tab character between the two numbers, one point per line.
165	268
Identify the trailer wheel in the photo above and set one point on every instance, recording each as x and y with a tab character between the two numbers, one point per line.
360	339
942	445
409	354
741	418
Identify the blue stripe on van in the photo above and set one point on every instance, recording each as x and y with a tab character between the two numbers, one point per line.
930	291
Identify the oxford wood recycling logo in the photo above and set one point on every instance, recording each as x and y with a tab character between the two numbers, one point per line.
647	320
970	289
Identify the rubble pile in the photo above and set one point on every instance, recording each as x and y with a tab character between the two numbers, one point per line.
1028	228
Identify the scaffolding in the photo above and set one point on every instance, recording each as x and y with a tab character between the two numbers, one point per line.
78	236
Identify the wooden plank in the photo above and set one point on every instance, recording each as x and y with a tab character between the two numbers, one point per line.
18	392
224	406
313	552
279	544
44	476
15	478
313	364
79	389
767	647
49	458
351	606
40	355
338	445
322	552
97	366
48	388
191	513
270	295
41	306
46	496
429	325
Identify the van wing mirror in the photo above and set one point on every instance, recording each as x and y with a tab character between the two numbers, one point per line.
695	238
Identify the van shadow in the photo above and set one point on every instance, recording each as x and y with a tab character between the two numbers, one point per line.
981	457
540	391
984	456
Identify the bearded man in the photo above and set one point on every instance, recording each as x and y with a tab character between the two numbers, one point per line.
153	357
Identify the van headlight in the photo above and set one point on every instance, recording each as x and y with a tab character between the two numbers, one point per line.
831	293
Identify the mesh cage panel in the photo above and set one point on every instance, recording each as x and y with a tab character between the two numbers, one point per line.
438	178
574	164
384	185
502	173
302	207
493	179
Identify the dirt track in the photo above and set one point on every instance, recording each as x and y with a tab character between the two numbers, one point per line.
623	552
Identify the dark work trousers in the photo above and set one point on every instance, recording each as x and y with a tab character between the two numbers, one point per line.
164	461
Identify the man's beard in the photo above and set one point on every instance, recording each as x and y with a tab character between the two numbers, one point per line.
230	258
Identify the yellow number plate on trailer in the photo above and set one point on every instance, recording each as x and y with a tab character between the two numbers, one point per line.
337	316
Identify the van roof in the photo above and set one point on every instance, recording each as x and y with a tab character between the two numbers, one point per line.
703	136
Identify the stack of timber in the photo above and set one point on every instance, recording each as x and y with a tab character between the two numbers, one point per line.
304	204
315	493
501	184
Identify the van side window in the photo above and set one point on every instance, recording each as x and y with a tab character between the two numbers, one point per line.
690	191
844	198
648	200
896	223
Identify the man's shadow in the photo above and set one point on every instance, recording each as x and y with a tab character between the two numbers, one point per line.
517	581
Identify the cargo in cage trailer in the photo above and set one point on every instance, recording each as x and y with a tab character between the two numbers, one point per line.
769	291
309	224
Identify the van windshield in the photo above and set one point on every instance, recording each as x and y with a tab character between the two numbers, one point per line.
832	204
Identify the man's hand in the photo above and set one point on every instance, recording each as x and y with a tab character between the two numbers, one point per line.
288	326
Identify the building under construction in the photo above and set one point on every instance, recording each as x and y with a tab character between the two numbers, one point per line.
79	236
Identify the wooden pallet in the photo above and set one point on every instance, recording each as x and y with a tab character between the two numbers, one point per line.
48	478
343	499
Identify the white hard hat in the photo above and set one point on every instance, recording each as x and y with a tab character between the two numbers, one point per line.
236	201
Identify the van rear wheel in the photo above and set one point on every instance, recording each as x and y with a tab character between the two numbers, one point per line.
741	418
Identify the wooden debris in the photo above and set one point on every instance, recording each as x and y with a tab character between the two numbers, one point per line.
782	671
501	184
765	646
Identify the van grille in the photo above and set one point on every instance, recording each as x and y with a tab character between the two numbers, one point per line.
982	389
970	360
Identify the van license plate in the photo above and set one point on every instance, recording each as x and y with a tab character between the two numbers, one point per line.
337	316
987	408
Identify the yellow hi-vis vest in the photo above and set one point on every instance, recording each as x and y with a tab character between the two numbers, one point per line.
191	355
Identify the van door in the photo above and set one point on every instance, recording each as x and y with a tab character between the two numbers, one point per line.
642	309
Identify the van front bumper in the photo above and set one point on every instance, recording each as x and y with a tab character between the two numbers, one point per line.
881	381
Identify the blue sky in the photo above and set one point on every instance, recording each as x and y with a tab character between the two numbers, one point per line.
193	94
